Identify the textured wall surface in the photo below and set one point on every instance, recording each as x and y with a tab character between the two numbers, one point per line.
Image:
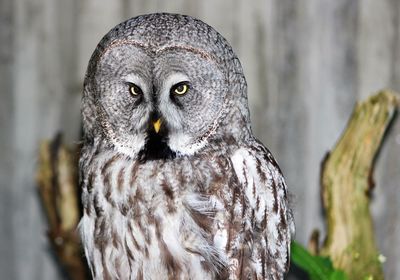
307	62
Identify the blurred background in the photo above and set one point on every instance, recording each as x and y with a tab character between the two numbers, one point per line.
307	62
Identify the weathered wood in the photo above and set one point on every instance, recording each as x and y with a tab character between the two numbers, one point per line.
346	184
58	188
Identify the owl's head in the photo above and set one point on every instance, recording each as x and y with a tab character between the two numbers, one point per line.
162	84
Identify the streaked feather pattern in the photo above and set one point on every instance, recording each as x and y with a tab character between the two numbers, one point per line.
219	215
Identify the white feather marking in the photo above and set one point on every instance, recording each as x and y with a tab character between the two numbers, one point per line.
170	236
130	146
181	143
244	167
221	238
261	211
238	165
172	80
257	265
137	80
272	233
86	229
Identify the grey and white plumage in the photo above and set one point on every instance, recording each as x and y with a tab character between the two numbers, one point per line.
201	198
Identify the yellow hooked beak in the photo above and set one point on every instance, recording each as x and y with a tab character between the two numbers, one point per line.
157	125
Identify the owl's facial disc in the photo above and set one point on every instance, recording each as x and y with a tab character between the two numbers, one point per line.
160	103
123	95
191	97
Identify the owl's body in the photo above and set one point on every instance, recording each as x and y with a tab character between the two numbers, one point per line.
174	184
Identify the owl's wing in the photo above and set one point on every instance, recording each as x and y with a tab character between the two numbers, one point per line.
261	222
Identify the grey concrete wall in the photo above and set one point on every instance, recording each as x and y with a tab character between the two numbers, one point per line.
307	62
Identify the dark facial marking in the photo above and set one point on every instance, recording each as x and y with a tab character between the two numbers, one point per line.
156	146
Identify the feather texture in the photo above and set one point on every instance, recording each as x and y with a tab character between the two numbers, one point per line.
220	214
198	198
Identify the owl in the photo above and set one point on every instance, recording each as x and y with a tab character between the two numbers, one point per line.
174	184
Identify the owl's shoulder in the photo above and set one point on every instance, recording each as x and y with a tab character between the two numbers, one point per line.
262	208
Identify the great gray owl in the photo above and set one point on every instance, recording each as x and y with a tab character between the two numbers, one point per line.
175	186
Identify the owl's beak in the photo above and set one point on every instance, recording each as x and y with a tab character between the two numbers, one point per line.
157	125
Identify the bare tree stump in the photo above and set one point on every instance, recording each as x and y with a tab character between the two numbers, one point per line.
346	183
58	189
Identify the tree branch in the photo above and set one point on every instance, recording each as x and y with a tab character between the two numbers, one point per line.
58	189
346	182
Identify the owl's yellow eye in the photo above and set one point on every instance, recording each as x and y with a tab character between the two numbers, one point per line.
135	90
180	88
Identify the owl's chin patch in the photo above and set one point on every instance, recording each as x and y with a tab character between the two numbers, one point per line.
182	144
156	147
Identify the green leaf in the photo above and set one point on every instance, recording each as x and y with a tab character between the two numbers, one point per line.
317	267
338	275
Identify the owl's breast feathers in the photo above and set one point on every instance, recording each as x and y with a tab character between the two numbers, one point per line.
215	215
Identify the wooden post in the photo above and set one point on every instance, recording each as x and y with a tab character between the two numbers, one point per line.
346	183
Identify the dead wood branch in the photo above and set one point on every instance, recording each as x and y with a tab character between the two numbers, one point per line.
346	182
58	189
